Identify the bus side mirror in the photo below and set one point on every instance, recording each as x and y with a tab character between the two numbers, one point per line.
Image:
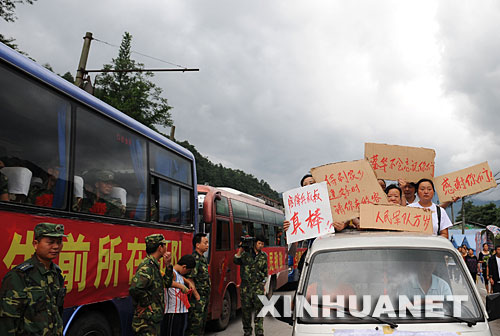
493	306
208	208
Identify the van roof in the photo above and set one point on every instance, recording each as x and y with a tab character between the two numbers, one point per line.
370	239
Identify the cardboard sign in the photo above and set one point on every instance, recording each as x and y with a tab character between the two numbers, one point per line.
464	182
395	217
308	211
394	162
349	184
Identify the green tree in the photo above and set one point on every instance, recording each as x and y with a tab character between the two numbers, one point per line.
7	12
219	176
132	92
486	214
69	77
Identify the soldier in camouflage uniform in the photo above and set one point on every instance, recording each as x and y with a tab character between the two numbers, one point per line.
148	287
4	187
43	195
32	294
100	201
197	315
253	272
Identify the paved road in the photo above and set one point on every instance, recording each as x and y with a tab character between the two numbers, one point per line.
271	325
277	328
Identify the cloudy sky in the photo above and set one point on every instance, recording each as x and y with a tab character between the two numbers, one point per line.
289	85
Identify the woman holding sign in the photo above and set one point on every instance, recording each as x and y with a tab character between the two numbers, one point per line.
440	220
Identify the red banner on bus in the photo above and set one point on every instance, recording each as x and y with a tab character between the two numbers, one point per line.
98	260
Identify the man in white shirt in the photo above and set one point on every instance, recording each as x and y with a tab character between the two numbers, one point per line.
176	298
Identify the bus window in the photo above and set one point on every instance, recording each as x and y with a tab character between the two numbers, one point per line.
112	163
222	207
34	141
265	234
222	242
278	232
261	230
238	231
255	213
248	229
272	235
269	217
239	209
174	207
186	214
170	165
279	219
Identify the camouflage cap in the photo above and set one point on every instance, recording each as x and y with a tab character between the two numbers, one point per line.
104	175
49	230
155	239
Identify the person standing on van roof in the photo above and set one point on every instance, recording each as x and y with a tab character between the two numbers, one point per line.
440	220
306	180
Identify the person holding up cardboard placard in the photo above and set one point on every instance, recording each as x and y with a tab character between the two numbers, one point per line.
440	220
306	180
394	194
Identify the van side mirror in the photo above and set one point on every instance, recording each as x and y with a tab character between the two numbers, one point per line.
493	306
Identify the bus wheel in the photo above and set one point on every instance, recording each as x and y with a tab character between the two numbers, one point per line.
272	287
222	322
90	324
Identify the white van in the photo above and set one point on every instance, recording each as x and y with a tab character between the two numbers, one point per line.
377	283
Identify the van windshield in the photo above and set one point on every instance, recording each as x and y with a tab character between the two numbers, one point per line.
403	285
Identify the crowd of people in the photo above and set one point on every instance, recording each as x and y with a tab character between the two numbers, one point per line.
483	266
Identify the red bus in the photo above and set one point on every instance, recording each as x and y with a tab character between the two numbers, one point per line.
225	215
58	138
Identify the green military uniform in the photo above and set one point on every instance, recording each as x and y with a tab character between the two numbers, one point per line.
197	315
41	195
253	273
148	291
104	205
32	296
4	184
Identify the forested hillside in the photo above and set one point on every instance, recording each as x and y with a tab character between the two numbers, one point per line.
219	176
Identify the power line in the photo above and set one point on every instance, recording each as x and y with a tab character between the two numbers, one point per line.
138	53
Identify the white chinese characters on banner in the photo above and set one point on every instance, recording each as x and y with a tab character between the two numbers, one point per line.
308	211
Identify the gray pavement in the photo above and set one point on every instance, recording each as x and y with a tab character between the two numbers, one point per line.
271	325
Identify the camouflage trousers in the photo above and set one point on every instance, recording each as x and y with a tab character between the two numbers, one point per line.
145	327
250	304
197	315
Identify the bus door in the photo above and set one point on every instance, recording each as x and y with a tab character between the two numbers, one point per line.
221	263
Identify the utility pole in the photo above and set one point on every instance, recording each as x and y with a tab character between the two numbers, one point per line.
83	59
463	215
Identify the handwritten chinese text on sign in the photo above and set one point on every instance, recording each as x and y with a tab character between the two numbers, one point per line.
308	211
392	162
464	182
395	217
349	184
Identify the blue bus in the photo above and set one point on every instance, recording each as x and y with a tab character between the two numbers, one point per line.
72	159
